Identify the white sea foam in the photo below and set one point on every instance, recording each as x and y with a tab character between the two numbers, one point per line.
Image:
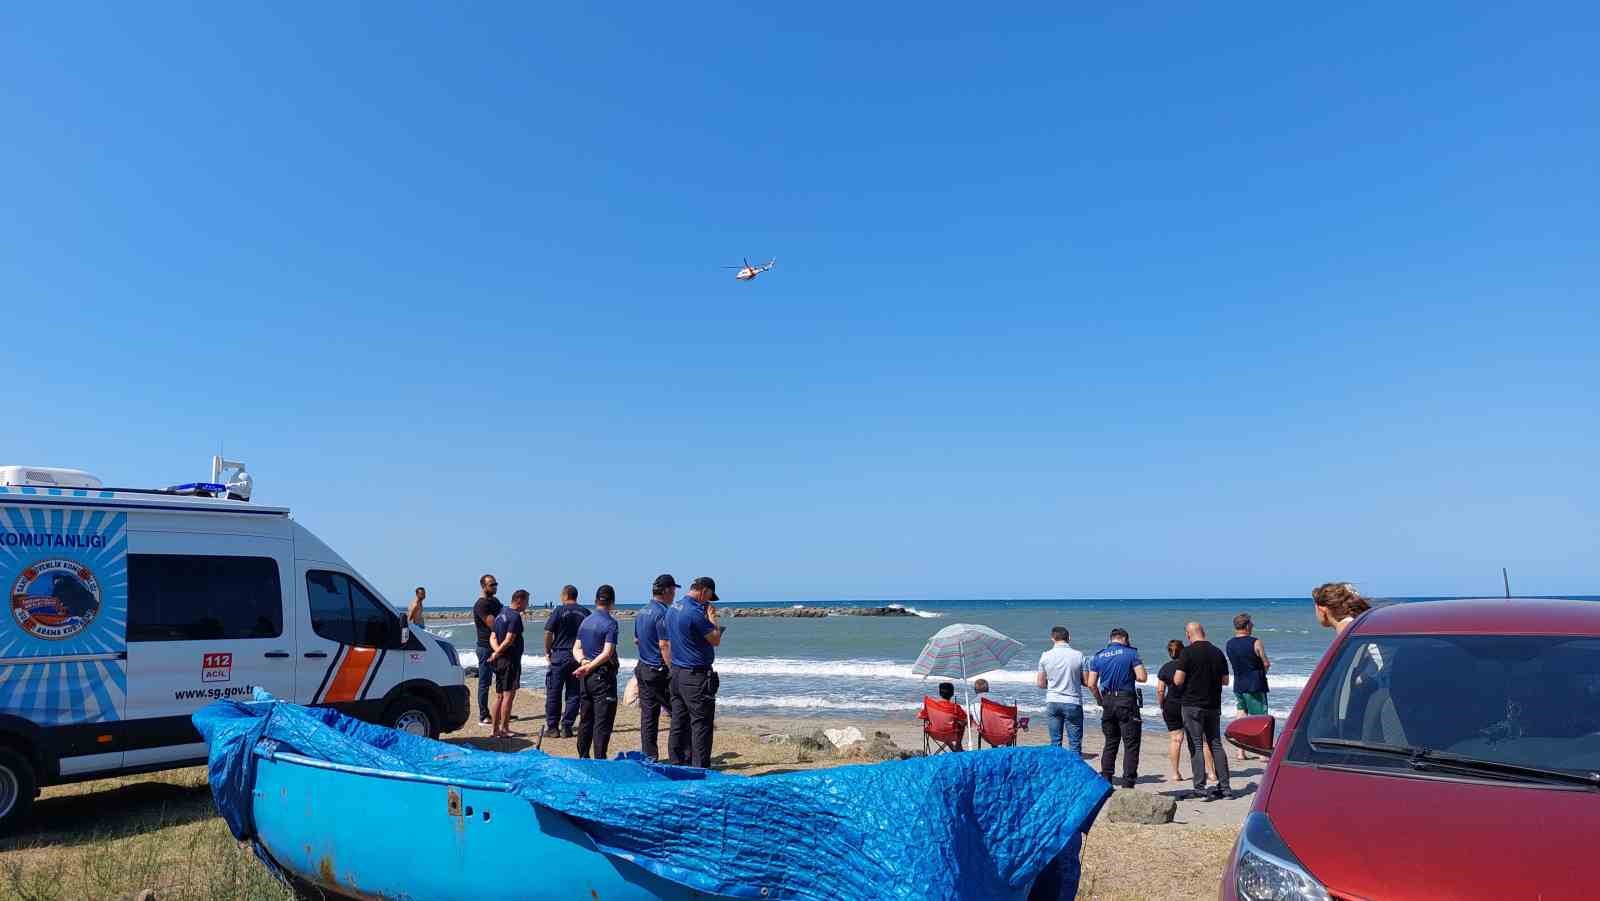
877	707
865	669
810	702
925	614
857	669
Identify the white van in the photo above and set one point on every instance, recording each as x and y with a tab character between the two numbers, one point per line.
130	609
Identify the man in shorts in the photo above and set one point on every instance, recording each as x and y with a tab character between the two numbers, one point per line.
506	658
1247	656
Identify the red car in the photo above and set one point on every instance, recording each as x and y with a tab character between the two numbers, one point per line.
1442	749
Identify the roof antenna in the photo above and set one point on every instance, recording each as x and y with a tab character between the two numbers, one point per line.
1506	579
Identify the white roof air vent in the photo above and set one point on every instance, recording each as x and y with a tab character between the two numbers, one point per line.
46	477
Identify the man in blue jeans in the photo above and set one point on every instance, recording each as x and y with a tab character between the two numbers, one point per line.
1061	677
483	615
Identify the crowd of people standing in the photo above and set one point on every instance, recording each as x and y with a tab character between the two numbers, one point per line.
676	640
1188	691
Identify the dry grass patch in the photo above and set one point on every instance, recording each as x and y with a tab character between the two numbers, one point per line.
1123	862
114	837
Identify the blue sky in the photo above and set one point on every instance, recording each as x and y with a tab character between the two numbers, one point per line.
1145	301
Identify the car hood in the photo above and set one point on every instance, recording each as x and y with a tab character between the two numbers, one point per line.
1391	836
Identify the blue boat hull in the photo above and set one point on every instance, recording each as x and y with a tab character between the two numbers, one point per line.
361	811
367	833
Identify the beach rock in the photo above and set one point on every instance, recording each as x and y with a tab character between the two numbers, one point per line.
812	755
815	740
843	738
809	746
879	747
1130	806
815	612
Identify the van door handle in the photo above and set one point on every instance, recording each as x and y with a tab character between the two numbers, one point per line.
314	654
278	654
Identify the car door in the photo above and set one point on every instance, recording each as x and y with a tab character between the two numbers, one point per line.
205	621
350	648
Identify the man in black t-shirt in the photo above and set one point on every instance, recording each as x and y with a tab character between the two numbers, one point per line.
506	640
484	611
1201	673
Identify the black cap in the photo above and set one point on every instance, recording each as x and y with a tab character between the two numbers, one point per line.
1120	632
663	582
605	593
708	584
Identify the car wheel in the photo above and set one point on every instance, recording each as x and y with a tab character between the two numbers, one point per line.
18	785
413	716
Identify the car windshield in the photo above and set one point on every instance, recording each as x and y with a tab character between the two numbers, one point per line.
1528	701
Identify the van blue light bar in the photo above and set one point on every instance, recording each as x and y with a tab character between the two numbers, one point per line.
197	487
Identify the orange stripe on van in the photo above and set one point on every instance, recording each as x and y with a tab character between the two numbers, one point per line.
352	672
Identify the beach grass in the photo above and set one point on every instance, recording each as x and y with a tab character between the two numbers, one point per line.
117	837
1123	862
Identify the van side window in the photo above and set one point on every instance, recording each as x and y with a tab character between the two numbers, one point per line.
193	597
343	611
329	594
374	627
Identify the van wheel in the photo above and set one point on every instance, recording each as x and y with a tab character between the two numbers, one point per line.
18	786
413	716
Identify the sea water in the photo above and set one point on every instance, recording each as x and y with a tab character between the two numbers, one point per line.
859	667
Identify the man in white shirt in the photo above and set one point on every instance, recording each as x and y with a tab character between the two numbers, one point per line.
1061	677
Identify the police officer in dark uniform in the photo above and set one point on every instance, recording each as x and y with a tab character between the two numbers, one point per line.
695	634
597	674
655	660
1110	675
560	631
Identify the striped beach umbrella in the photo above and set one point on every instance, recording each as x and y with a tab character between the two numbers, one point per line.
962	651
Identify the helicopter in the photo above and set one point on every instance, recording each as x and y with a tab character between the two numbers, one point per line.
748	272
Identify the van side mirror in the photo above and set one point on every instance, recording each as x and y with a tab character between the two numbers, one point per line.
1252	733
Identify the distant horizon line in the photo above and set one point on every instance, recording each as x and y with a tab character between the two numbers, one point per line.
999	600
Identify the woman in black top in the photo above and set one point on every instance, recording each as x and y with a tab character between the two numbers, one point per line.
1168	697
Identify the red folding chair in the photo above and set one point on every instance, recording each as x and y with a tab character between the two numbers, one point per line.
944	725
998	723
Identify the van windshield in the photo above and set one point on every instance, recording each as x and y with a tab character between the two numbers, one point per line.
1527	701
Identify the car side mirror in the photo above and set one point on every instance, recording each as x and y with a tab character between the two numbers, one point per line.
1252	733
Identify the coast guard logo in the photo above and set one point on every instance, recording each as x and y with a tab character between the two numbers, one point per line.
55	599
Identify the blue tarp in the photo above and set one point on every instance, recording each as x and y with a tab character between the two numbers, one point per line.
972	825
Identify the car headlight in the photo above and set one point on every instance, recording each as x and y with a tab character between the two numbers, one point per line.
1266	870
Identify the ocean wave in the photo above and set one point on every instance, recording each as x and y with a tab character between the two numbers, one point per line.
859	669
812	702
876	709
846	695
869	669
925	614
